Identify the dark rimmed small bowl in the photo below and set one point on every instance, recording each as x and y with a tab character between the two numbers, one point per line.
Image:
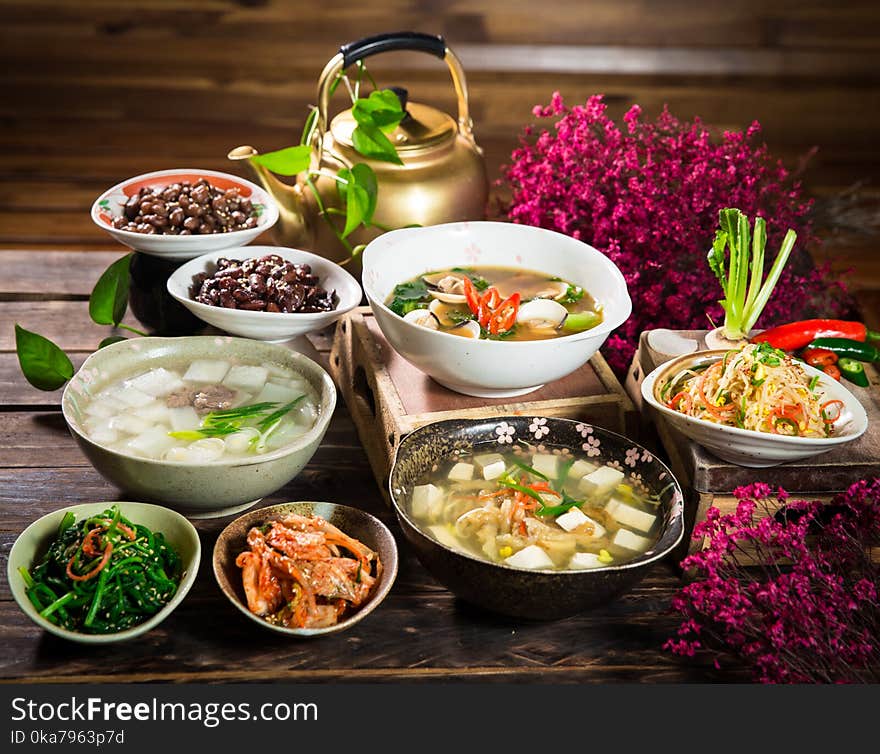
353	521
533	594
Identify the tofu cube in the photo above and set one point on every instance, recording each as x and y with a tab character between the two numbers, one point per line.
462	472
272	392
130	424
206	370
246	378
628	516
530	557
184	418
157	382
444	536
575	517
630	541
132	396
426	498
581	468
546	464
153	443
601	481
491	464
581	560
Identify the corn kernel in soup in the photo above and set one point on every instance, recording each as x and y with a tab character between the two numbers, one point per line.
202	411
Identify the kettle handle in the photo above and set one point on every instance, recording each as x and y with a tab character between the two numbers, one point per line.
403	40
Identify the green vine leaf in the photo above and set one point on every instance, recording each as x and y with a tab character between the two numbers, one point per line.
381	109
358	189
44	365
287	161
109	298
109	341
372	143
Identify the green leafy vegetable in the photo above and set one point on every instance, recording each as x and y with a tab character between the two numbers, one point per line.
358	189
573	294
44	365
409	296
480	283
109	298
567	504
287	161
265	417
745	294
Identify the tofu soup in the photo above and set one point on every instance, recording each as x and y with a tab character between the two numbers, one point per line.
202	410
535	510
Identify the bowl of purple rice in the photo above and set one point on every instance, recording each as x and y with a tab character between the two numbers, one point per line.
268	293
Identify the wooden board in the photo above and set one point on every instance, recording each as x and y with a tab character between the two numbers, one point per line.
388	397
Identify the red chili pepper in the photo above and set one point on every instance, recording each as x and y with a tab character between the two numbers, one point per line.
819	357
491	298
471	295
832	371
796	335
504	316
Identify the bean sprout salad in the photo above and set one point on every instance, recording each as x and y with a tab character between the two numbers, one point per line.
757	387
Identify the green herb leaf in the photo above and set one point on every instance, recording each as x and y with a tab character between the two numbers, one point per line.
381	109
287	161
557	510
573	294
358	189
109	341
44	365
529	469
109	298
369	141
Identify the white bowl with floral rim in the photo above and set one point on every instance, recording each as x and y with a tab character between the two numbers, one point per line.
110	205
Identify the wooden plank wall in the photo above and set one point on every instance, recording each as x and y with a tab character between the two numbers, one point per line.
97	90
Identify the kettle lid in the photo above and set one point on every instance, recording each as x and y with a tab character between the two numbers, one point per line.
422	129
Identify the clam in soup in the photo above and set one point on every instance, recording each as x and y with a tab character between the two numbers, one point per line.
495	303
535	510
201	411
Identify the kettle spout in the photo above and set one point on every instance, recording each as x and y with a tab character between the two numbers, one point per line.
288	198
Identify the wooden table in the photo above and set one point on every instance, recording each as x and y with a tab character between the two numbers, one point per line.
420	633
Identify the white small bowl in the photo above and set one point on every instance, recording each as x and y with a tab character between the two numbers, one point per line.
35	540
491	368
747	447
268	326
109	205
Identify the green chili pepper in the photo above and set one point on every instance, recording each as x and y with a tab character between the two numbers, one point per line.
850	349
853	370
790	422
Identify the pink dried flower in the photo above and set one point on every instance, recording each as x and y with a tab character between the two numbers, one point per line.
809	612
648	196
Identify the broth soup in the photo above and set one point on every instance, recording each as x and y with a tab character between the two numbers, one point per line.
495	303
535	510
201	411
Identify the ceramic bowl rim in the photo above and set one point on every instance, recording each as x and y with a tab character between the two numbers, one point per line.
317	318
265	221
327	402
183	588
603	329
860	418
677	523
389	576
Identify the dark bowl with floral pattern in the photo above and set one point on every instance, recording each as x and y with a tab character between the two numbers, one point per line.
517	592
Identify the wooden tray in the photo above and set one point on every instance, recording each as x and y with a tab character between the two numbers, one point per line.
388	397
711	481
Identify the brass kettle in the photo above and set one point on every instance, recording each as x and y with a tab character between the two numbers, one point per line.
442	179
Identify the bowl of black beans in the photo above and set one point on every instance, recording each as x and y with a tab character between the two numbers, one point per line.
269	293
181	214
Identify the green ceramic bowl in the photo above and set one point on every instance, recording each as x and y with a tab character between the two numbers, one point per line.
33	542
217	488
